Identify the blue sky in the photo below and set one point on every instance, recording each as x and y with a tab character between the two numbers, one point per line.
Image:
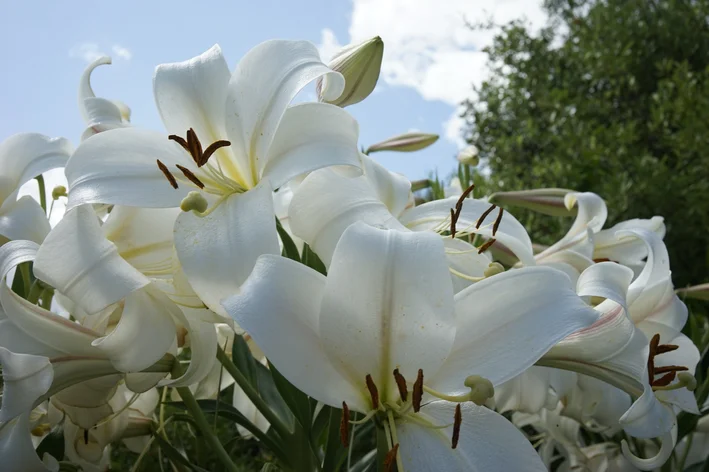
431	59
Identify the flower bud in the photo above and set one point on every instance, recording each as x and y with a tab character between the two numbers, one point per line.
360	65
417	185
549	201
699	292
469	156
407	142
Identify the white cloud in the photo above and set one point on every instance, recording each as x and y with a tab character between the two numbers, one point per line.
427	44
328	45
123	53
88	52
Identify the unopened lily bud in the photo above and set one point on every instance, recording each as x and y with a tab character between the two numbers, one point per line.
360	65
493	269
194	201
407	142
420	184
469	156
698	292
58	191
481	389
549	201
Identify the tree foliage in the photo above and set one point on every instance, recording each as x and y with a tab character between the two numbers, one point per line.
612	97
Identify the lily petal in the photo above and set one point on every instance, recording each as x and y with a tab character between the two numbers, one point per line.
218	251
311	136
431	215
326	203
388	304
26	155
287	294
264	83
606	280
626	250
24	219
25	379
144	237
119	167
591	216
394	190
487	442
531	309
146	323
464	259
18	452
77	260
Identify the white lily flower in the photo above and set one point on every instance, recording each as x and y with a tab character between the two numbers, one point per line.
17	450
99	114
386	315
23	157
269	142
644	354
326	203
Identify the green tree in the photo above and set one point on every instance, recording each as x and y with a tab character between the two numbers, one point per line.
611	97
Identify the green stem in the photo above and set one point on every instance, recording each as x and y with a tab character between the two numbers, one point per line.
253	395
42	192
35	291
202	424
46	301
26	278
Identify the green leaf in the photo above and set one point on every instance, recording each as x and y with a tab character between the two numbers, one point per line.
334	450
312	260
244	361
290	250
297	401
174	455
52	444
271	395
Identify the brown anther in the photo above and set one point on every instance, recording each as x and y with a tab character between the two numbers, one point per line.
485	246
193	178
401	384
418	392
669	368
464	195
457	421
663	348
170	178
665	380
194	147
654	342
390	458
453	222
373	392
498	220
211	149
345	425
484	215
180	140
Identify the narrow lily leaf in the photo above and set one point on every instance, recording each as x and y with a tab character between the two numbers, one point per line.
333	448
174	455
270	394
312	260
244	361
290	250
296	400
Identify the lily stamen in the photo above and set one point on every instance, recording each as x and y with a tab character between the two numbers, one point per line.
170	178
401	385
190	176
390	458
373	392
486	246
670	371
484	215
457	421
418	392
498	220
345	425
